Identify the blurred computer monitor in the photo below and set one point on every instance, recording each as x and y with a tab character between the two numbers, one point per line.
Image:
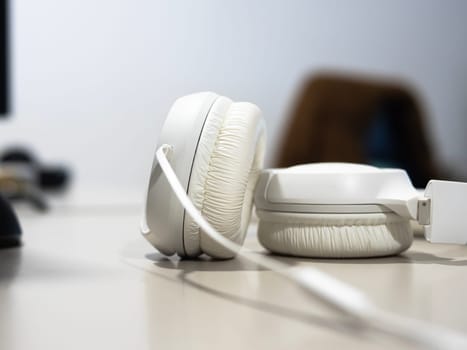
4	58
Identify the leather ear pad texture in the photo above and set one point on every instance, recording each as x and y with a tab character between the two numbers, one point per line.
334	235
225	170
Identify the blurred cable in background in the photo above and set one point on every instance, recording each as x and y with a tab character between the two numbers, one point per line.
23	177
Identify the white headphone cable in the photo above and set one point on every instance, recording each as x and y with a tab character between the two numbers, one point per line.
332	291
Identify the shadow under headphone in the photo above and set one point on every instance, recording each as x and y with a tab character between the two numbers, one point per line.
315	210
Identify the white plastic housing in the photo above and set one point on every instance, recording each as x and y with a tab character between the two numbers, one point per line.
163	216
336	188
447	207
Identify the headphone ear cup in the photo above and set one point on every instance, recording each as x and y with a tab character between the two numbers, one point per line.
228	160
361	235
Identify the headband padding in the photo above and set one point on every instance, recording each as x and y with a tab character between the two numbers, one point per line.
225	170
334	235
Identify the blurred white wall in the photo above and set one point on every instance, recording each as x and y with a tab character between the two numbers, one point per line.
93	79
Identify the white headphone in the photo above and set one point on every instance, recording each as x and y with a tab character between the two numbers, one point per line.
314	210
211	152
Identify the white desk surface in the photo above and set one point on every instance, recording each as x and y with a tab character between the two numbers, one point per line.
85	279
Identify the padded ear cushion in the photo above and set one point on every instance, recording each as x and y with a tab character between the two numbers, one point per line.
225	170
334	235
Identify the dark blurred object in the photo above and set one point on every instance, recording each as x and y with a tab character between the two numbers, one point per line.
23	177
48	177
19	182
347	119
10	230
4	57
